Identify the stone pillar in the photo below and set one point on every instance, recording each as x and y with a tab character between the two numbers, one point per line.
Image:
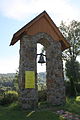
28	96
55	81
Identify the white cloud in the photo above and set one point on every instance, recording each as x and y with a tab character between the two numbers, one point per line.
21	9
9	65
14	8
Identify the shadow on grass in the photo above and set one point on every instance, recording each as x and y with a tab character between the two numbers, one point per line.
14	112
72	105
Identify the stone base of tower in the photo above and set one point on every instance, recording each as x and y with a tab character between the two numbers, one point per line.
56	97
28	99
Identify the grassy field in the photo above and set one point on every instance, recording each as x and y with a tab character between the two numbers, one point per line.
14	112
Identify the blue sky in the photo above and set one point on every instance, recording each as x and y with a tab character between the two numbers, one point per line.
14	14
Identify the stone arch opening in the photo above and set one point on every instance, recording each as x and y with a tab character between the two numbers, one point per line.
41	75
43	40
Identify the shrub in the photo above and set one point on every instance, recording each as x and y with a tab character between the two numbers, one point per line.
9	97
78	99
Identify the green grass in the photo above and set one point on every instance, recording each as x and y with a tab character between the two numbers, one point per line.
73	105
14	112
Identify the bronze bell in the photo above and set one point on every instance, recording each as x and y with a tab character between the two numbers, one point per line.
41	59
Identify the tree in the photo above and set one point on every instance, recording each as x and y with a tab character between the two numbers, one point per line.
72	34
15	81
73	73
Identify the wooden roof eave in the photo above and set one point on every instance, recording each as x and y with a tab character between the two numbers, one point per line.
15	37
25	28
19	33
61	37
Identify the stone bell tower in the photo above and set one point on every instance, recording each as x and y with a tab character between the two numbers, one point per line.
40	30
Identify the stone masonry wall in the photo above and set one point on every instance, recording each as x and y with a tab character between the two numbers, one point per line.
55	83
28	96
55	79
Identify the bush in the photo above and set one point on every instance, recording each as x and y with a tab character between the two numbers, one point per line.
9	97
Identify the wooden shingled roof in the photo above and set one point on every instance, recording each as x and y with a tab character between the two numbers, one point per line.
42	23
